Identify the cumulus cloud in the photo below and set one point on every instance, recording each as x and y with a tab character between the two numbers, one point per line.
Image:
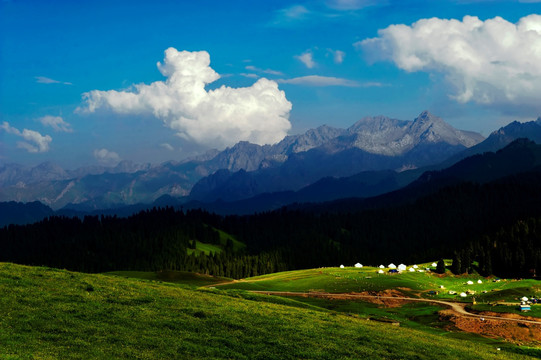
56	122
317	80
307	59
35	142
46	80
106	157
217	118
490	62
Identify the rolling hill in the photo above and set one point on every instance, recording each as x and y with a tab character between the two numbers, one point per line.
50	313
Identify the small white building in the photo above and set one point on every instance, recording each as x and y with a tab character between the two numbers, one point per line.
381	271
358	265
382	267
411	269
401	267
469	282
524	298
341	266
415	266
463	294
392	266
434	265
479	282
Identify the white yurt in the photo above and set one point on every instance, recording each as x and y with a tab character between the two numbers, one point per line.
463	294
434	264
469	282
479	282
382	267
415	266
341	266
401	267
411	270
358	265
392	266
381	271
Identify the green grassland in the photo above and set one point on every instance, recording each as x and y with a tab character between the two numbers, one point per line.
351	279
206	249
57	314
237	245
178	277
535	312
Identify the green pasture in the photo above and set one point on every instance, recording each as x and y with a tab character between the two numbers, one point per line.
207	249
57	314
178	277
237	245
498	308
351	279
204	248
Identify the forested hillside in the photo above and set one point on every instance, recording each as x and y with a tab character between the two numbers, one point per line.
452	220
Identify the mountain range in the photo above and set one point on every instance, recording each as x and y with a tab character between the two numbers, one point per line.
373	156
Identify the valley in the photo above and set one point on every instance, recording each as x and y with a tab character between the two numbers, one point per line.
274	180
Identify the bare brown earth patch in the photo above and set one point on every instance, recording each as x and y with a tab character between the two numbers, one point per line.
513	331
384	298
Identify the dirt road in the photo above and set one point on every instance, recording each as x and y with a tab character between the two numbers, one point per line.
455	306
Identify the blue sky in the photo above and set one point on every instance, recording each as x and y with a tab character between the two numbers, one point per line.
80	85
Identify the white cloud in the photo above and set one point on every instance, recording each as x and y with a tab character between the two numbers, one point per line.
250	75
216	118
490	62
317	80
35	142
167	146
338	55
106	157
307	59
46	80
353	4
290	15
56	122
266	71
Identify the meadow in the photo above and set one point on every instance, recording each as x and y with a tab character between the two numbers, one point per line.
50	314
417	284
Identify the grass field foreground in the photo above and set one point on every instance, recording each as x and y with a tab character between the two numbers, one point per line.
53	314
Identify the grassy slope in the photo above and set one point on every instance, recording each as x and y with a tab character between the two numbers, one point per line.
204	248
177	277
208	248
237	245
50	314
367	279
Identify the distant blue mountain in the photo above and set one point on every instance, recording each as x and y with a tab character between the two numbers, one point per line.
372	144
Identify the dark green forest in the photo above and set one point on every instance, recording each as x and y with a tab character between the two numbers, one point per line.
497	225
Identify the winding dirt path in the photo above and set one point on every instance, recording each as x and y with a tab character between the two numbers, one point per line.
455	306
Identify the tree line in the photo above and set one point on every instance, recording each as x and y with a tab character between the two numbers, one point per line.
495	225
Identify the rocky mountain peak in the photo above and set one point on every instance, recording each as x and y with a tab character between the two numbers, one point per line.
427	117
374	124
